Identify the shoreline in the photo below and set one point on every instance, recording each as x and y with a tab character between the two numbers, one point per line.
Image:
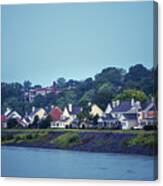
101	142
51	148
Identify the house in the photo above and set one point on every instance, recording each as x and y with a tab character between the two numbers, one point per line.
62	123
23	122
84	124
67	118
128	120
66	113
73	110
75	124
108	121
95	110
148	114
3	121
12	114
32	93
108	109
128	106
40	112
55	113
126	112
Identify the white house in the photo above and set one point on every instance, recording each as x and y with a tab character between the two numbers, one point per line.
128	120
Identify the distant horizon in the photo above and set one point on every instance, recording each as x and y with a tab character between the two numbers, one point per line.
43	42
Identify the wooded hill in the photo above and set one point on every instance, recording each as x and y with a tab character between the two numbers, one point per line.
111	83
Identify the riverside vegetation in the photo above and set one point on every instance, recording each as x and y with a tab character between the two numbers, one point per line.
117	141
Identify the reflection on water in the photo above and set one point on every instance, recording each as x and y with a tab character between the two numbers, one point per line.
35	162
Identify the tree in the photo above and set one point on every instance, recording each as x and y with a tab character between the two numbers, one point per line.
51	99
12	123
139	77
87	97
39	101
136	73
112	75
129	94
72	83
45	123
27	85
12	96
35	123
61	82
68	96
37	86
104	94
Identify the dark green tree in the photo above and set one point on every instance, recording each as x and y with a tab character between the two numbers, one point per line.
27	85
61	82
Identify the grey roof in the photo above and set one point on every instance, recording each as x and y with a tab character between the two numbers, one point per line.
146	104
153	108
124	106
109	117
75	110
130	116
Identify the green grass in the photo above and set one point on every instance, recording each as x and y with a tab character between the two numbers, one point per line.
23	137
78	130
66	140
146	140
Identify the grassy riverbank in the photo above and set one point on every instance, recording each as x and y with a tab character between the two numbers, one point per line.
133	142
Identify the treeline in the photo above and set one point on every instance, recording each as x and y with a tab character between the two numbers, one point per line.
107	85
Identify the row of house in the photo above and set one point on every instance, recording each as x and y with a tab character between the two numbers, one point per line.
118	114
129	114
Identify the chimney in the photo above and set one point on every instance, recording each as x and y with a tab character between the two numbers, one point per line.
70	107
113	104
138	103
52	106
117	102
132	102
152	99
33	109
89	104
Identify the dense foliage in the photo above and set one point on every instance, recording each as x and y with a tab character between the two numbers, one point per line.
109	84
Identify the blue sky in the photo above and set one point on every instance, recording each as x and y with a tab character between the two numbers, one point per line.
43	42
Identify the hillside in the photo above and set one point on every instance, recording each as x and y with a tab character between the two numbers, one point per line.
132	142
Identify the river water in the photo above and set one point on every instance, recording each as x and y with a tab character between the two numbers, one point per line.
37	162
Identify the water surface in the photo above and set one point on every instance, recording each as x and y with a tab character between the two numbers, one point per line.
37	162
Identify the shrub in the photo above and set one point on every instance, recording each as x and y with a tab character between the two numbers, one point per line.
146	140
67	140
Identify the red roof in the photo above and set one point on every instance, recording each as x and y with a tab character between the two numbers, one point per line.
56	113
3	118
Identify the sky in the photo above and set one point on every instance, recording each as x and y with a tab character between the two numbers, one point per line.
43	42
